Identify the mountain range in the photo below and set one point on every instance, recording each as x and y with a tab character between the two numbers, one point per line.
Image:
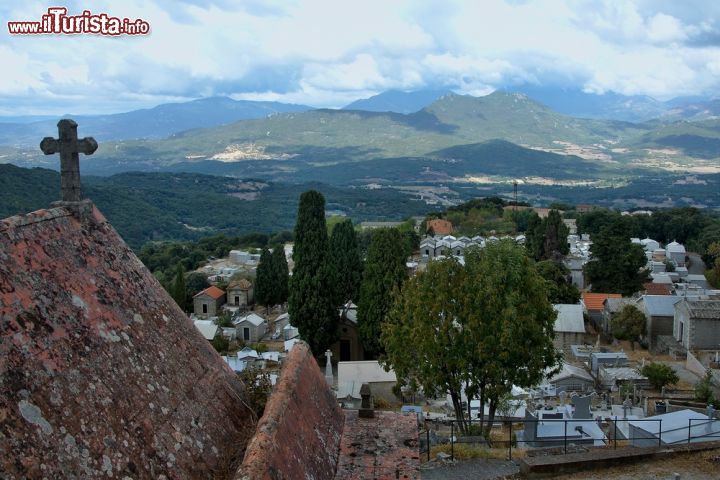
506	135
156	122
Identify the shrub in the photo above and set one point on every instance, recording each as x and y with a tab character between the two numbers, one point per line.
660	375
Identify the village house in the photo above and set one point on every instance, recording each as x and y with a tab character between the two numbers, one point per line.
562	425
375	225
251	327
207	328
676	253
571	224
657	288
352	375
649	244
594	305
440	226
283	328
208	302
569	326
572	379
576	264
613	378
660	313
607	359
240	293
348	348
697	323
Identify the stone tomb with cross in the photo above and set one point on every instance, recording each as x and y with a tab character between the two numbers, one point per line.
70	147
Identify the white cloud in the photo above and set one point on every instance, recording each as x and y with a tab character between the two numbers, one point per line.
329	53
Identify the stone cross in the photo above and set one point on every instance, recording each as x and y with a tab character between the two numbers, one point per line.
69	148
328	368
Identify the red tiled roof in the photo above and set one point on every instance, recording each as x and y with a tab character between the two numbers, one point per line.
440	226
657	288
242	284
212	291
594	301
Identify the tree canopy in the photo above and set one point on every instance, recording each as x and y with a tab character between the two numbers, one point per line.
384	271
485	326
660	375
345	262
616	265
628	324
281	275
560	288
264	281
178	291
547	238
311	304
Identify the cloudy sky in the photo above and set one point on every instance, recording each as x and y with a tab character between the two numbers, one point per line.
331	52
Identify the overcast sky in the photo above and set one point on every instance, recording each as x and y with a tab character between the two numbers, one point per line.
331	52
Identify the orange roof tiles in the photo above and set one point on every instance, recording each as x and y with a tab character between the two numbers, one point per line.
440	226
594	301
213	292
657	289
242	284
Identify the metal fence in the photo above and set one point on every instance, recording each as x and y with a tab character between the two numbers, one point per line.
568	438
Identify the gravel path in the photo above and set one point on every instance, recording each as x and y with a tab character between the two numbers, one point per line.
480	469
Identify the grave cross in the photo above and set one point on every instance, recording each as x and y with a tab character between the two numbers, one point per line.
328	368
69	147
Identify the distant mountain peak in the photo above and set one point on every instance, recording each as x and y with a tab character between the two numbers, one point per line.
397	101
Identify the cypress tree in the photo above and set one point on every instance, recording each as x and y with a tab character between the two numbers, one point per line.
310	305
534	236
264	279
280	275
345	262
384	271
179	293
555	242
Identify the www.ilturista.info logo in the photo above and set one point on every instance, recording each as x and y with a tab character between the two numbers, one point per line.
57	21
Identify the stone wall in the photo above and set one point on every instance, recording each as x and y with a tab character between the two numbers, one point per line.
299	434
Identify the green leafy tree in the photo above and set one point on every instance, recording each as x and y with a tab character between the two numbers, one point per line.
512	326
195	282
311	304
429	315
659	375
616	265
225	320
281	275
384	271
179	292
713	273
555	236
560	288
547	238
220	344
265	279
345	262
628	324
486	326
704	390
